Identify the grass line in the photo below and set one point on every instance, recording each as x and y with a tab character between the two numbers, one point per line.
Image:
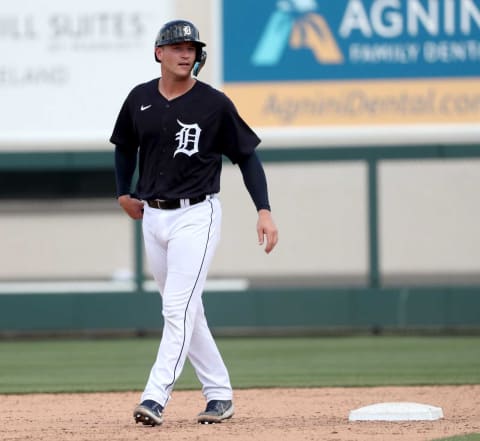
124	364
469	437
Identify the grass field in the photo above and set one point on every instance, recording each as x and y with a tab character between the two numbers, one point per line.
471	437
124	364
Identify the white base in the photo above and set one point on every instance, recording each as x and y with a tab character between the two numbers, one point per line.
401	411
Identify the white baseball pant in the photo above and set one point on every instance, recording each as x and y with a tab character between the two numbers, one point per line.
179	246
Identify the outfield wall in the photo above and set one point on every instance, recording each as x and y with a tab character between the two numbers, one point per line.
298	297
409	211
252	312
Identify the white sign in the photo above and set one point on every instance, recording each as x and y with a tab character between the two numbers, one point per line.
66	67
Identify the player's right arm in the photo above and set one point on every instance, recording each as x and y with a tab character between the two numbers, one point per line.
125	139
132	206
125	164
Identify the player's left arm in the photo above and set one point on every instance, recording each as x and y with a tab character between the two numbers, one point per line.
266	228
256	184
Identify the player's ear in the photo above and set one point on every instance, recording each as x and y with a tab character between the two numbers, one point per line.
158	52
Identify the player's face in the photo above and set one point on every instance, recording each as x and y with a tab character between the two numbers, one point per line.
177	59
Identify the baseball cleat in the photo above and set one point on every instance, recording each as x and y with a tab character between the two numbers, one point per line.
216	412
149	413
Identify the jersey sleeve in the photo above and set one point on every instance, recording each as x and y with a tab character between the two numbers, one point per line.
255	181
126	142
124	132
238	139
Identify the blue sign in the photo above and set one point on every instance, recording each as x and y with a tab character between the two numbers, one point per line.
304	40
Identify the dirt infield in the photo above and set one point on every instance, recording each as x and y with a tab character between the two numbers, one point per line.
261	415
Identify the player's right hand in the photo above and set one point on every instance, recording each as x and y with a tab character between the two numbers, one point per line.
133	207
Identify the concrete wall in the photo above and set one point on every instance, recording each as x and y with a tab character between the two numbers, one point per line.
430	217
428	227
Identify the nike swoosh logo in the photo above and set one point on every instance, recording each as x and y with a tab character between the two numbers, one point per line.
142	108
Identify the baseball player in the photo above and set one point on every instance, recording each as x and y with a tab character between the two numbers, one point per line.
180	128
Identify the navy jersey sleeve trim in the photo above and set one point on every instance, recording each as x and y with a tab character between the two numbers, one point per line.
255	180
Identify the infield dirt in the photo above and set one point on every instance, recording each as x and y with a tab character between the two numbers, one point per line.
261	415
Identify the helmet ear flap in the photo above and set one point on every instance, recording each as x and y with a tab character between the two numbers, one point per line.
199	61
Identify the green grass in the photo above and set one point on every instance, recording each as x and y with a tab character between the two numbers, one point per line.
124	364
470	437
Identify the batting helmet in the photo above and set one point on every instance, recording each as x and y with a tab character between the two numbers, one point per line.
178	31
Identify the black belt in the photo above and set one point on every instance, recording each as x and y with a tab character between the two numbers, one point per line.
172	204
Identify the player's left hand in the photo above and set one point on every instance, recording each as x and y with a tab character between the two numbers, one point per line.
266	228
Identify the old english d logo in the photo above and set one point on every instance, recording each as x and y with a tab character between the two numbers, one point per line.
310	30
187	137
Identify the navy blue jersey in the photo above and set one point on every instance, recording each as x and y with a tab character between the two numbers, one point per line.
181	141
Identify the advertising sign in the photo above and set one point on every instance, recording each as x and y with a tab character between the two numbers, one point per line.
66	68
321	66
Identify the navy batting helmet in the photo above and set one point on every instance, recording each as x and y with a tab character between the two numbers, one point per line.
178	31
